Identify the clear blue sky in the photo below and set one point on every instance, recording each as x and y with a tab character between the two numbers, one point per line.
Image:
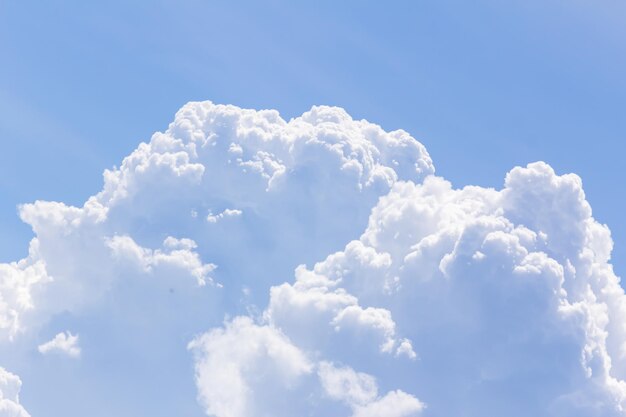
484	85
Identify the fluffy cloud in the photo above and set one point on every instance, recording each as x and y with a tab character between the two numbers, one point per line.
355	388
360	392
9	395
469	301
315	301
63	343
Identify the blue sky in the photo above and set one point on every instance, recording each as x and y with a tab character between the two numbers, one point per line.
485	86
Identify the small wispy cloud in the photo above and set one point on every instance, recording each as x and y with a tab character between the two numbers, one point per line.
64	343
214	218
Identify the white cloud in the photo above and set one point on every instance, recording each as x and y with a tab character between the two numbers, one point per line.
317	300
63	343
394	404
214	218
10	385
506	296
19	282
360	392
178	254
406	349
240	366
355	388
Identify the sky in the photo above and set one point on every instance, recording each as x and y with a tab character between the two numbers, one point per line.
485	87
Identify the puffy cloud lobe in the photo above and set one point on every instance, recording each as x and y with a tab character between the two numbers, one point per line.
360	392
63	343
177	254
19	282
10	385
355	388
318	299
306	309
240	366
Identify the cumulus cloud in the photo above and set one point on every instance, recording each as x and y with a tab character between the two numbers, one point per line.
409	296
64	343
10	385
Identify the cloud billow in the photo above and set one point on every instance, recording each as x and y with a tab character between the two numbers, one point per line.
318	266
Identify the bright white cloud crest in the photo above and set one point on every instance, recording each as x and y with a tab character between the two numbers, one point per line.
419	299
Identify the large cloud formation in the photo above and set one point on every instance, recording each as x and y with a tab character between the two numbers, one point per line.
419	298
